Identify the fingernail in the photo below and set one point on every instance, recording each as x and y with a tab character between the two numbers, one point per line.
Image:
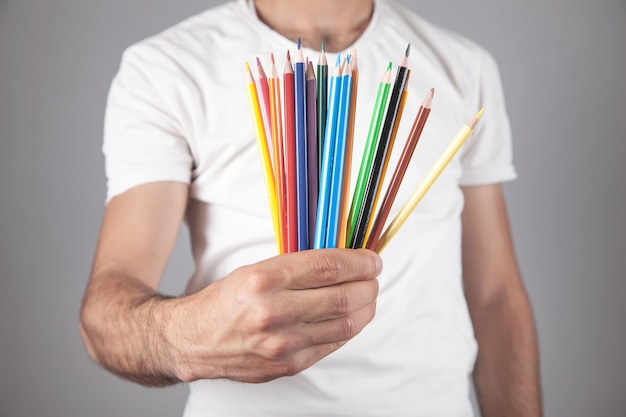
379	264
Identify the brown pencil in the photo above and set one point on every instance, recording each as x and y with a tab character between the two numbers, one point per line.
398	175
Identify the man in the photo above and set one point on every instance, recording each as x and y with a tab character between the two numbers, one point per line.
299	331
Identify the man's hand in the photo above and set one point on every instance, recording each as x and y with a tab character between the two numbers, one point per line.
263	321
276	317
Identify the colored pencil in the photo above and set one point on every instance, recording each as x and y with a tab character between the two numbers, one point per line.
312	151
430	178
266	164
264	98
302	174
276	122
323	203
342	240
381	159
337	176
322	103
370	149
290	157
398	175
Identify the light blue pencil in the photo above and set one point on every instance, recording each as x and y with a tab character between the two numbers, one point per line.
330	135
334	213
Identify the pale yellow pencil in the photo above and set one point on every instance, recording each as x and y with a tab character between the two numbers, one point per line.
266	162
427	182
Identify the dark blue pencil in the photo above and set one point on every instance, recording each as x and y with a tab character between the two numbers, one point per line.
302	189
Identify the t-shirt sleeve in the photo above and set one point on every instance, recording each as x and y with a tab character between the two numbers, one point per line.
144	137
487	156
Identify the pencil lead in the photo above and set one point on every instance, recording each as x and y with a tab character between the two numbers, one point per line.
408	49
354	62
260	68
338	60
429	99
472	123
288	56
390	66
299	43
323	48
272	58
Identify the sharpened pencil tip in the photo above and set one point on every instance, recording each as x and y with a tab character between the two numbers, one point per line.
390	66
338	60
408	49
299	43
323	47
247	67
272	58
472	123
288	56
429	99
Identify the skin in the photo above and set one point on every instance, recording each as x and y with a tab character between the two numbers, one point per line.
283	314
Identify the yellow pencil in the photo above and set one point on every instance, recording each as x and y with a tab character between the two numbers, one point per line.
266	163
427	182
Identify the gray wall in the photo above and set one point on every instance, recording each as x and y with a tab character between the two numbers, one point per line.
564	69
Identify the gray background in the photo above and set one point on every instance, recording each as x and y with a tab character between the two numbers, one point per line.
564	70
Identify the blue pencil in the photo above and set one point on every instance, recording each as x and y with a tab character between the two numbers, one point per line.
327	157
334	209
302	189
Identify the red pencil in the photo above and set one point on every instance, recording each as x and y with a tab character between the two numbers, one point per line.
290	158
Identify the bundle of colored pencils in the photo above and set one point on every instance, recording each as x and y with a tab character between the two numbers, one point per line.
305	143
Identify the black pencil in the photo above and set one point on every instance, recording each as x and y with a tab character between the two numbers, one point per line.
381	159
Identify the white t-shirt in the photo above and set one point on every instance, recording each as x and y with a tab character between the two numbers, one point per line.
177	110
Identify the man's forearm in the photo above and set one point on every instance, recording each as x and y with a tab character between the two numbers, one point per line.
506	375
122	322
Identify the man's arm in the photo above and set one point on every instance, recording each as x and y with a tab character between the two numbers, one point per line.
506	375
266	320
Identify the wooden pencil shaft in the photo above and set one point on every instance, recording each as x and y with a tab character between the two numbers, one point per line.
312	154
290	162
398	175
302	191
376	174
428	181
368	151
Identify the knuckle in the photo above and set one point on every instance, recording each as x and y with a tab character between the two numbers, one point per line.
343	301
327	267
277	350
264	318
258	281
348	328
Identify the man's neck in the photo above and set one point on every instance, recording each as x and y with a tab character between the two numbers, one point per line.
339	23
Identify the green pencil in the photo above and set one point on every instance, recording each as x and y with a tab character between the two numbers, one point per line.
370	148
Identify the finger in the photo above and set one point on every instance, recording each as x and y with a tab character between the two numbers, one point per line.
321	267
327	303
327	333
304	344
